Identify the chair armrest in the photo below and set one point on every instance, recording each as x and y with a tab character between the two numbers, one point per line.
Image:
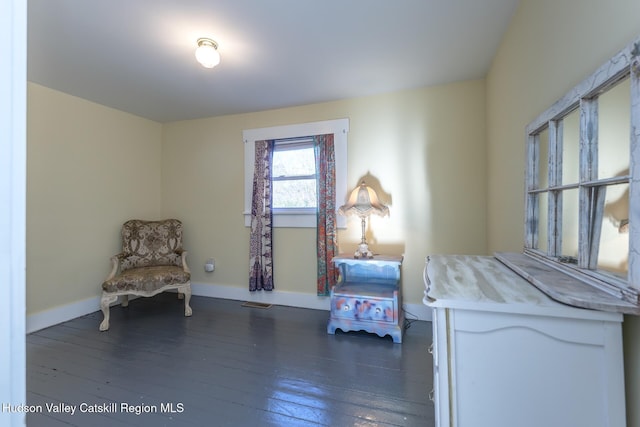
115	265
185	267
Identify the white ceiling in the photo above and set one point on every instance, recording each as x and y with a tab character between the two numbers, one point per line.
138	56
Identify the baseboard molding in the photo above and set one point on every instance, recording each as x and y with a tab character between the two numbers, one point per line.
291	299
417	312
64	313
61	314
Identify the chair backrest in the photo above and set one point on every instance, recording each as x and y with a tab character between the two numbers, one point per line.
151	243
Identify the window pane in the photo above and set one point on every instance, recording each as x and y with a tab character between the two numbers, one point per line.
613	255
543	210
294	193
543	159
569	222
614	118
293	162
570	148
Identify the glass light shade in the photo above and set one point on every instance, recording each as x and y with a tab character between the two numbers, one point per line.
363	201
207	53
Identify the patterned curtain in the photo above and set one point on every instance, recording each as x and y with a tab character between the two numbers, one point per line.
261	246
327	238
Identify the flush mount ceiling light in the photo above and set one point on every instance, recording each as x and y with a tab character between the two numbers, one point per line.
207	53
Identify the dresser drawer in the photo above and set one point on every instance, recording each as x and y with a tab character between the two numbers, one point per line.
362	309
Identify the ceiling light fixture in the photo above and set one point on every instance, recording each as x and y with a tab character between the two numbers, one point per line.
207	53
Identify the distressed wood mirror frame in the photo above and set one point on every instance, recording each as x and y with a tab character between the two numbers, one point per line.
582	181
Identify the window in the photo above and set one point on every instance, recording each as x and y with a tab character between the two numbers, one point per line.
581	190
583	170
293	170
294	175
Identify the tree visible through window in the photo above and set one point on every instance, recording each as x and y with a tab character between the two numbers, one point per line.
293	175
293	171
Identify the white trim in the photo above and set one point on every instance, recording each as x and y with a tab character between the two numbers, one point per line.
13	142
339	128
289	219
291	299
417	312
64	313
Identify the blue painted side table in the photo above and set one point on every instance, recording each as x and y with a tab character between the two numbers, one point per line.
368	296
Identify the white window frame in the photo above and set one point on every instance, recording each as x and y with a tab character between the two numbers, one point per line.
298	217
548	269
289	144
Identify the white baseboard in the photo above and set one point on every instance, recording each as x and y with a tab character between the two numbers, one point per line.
63	313
292	299
417	312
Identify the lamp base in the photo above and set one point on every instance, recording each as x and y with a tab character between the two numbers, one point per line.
363	251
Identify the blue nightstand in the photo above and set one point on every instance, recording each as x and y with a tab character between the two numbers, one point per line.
368	296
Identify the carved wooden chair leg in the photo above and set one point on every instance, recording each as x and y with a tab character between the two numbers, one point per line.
187	298
105	302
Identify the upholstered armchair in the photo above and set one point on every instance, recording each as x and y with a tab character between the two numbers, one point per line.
152	261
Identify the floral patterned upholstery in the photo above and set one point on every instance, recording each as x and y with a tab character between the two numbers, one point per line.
152	261
146	279
149	243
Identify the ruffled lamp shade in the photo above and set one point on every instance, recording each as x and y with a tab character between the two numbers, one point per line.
363	201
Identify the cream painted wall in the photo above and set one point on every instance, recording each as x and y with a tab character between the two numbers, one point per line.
551	46
451	188
425	147
89	168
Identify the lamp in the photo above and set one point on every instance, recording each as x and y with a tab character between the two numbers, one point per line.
363	201
207	53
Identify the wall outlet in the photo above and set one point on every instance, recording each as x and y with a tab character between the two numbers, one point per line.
210	265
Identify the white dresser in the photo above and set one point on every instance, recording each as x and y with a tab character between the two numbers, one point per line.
506	355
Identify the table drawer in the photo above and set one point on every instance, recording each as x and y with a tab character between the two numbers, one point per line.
363	309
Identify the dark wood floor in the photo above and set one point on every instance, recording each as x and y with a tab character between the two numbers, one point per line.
227	365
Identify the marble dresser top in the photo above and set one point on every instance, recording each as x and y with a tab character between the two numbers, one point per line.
484	283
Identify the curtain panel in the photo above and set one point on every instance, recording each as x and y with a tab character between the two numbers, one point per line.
261	244
327	238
